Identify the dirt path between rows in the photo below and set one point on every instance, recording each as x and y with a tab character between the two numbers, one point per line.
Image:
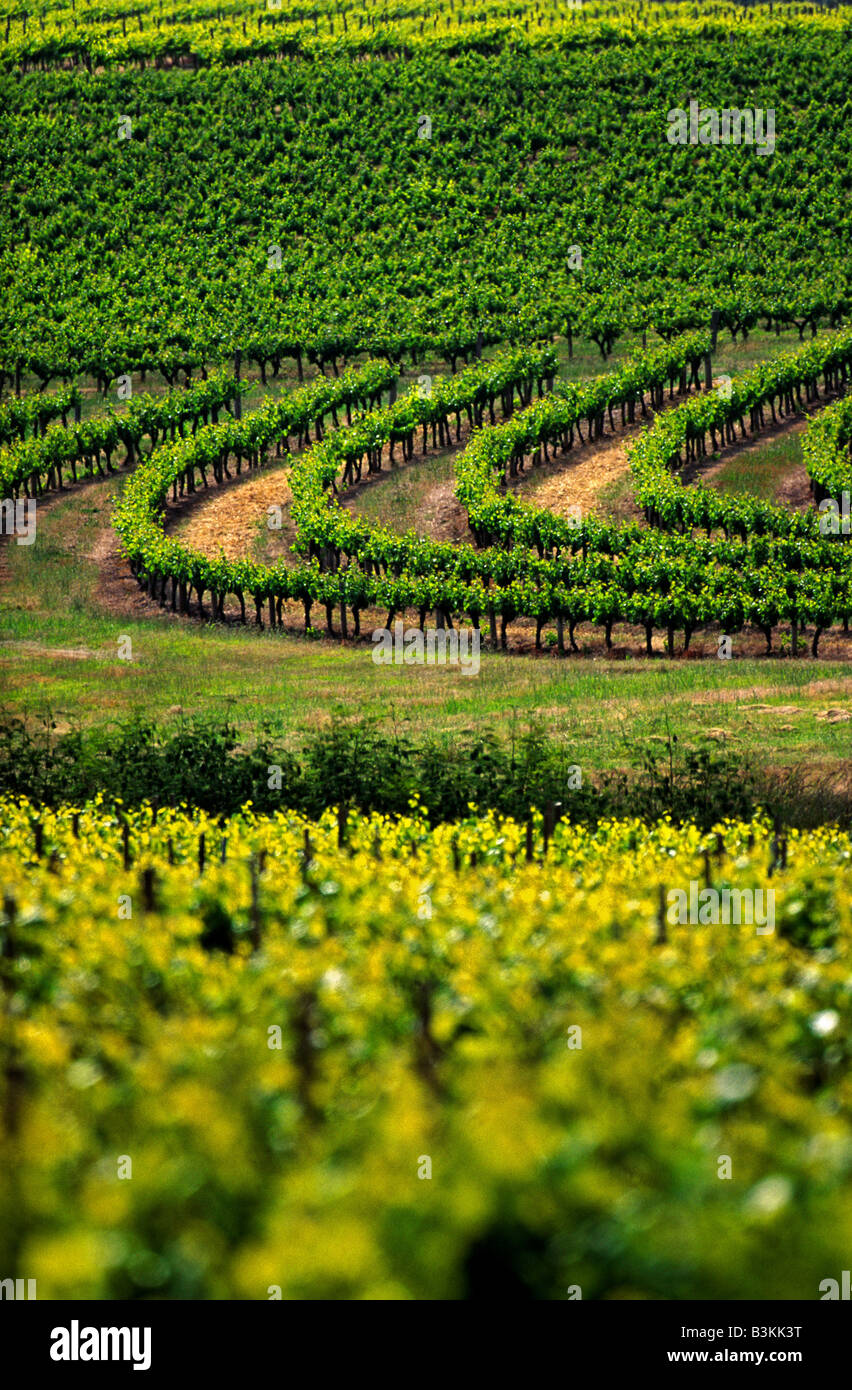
441	516
565	484
117	592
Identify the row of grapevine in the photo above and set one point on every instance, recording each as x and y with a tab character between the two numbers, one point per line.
827	447
605	575
31	414
675	440
498	518
45	460
204	34
682	437
625	574
157	560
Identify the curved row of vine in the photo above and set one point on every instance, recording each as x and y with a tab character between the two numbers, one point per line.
590	572
674	442
827	447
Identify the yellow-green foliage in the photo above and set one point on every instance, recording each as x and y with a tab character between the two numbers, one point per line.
425	1004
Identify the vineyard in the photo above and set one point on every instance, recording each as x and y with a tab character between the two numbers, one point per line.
323	978
171	218
362	1059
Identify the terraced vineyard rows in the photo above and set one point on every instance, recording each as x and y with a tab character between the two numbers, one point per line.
356	1058
784	566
